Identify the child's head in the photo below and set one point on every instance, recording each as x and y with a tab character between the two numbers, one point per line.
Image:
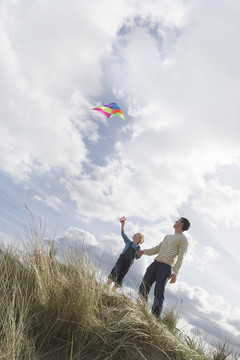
139	238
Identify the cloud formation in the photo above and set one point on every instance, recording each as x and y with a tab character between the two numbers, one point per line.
160	63
52	201
206	312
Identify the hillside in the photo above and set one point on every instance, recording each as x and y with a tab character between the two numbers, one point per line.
54	310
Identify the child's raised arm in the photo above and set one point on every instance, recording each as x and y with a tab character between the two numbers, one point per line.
122	221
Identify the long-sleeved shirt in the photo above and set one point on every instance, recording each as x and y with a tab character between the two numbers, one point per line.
170	251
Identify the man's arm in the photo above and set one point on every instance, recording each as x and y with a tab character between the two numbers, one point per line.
181	253
153	251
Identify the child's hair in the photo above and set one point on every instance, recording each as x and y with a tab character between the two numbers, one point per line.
142	239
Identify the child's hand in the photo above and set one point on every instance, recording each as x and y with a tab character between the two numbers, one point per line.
140	253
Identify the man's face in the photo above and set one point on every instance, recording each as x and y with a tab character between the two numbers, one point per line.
178	223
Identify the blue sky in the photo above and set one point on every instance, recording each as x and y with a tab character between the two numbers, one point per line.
173	68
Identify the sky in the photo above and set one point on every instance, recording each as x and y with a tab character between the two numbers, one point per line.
173	68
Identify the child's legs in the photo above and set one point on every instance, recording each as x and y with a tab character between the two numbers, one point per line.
115	271
123	272
115	287
109	281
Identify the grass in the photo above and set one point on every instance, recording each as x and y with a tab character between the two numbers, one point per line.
52	310
71	349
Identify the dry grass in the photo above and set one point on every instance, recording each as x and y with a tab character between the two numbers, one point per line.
52	310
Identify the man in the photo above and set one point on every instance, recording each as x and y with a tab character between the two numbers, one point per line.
166	264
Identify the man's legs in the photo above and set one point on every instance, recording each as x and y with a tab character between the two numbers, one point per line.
163	274
148	279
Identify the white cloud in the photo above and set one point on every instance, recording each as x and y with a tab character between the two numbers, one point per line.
51	201
207	311
111	244
219	202
100	194
203	258
76	238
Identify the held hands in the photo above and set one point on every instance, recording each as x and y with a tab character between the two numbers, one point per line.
173	278
140	253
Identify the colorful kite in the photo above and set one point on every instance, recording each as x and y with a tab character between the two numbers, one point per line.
110	110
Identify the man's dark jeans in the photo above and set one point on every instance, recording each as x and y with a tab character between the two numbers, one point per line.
156	272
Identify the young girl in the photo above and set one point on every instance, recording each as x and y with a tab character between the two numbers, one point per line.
126	258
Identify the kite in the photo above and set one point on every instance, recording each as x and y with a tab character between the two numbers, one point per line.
110	110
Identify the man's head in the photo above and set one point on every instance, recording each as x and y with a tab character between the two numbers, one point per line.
139	238
186	224
182	224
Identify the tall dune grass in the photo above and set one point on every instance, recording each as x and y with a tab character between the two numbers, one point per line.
51	309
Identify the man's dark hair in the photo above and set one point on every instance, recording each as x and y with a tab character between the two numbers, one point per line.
186	224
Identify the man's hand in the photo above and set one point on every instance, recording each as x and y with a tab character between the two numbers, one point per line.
140	253
173	278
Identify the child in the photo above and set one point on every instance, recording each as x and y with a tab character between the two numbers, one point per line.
126	258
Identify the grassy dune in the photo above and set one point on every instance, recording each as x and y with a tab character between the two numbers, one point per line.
53	310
